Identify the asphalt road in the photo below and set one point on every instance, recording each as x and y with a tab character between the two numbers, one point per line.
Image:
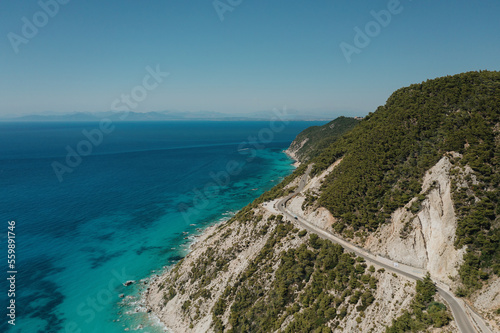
459	312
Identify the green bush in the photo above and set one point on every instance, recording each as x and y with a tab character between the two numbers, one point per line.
425	312
301	287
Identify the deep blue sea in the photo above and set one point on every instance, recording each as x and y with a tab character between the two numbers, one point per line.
125	208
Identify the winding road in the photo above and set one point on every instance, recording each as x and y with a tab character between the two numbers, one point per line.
458	307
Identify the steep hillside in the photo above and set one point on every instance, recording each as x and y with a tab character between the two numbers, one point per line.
414	183
264	274
387	155
313	140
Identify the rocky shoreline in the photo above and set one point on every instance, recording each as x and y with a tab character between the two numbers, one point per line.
152	293
153	280
184	296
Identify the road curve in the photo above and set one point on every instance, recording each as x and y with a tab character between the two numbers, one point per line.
457	308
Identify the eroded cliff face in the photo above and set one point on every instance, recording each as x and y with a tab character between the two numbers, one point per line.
421	234
295	148
487	301
184	297
304	204
294	151
425	238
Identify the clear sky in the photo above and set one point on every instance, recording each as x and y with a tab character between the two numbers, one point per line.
264	54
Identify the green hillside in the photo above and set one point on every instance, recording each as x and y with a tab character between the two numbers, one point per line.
317	138
297	282
387	154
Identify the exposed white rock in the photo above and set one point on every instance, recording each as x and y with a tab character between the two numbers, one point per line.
425	239
487	300
294	149
428	244
393	296
320	217
172	315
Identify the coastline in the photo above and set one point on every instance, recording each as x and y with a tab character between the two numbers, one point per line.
143	304
293	156
196	244
184	308
187	310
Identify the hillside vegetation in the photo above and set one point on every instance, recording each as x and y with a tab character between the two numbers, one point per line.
313	285
424	311
294	282
258	272
386	155
313	140
308	144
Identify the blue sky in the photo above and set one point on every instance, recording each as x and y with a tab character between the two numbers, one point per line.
263	55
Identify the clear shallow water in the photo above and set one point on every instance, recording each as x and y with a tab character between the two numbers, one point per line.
130	208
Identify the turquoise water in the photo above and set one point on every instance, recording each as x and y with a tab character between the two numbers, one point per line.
127	211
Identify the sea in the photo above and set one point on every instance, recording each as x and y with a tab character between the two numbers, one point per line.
86	207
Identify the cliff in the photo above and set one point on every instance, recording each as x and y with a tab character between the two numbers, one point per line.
232	278
313	140
414	183
426	238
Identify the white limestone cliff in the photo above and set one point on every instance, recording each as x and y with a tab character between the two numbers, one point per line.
425	239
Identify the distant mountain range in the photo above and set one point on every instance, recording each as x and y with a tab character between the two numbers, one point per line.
174	116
